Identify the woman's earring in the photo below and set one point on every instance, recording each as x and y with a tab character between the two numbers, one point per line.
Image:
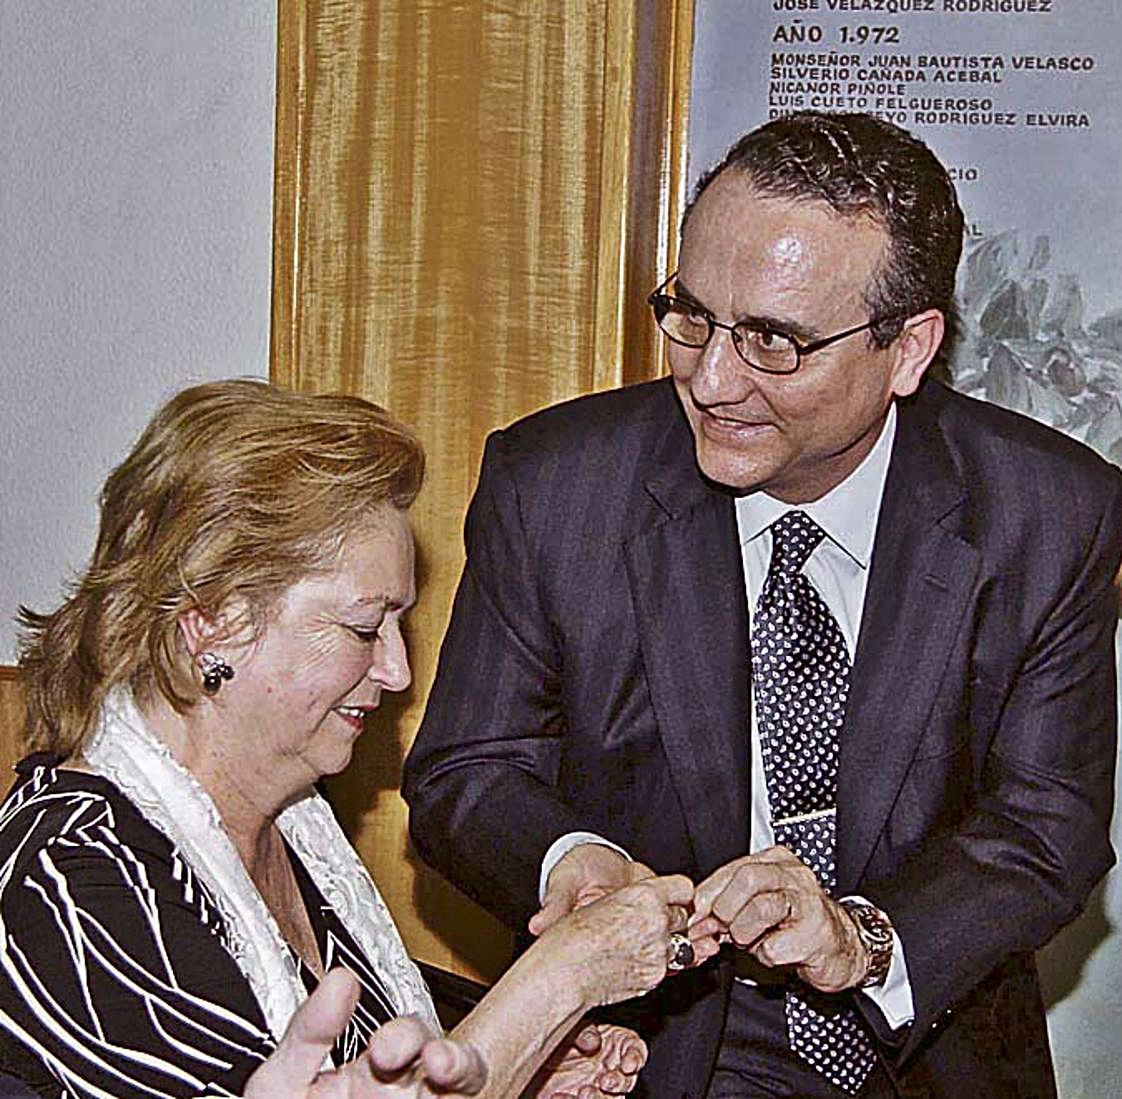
215	669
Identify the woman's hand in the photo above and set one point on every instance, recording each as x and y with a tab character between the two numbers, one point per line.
405	1059
618	946
596	1061
608	950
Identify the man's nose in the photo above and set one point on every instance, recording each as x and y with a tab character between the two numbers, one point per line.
721	376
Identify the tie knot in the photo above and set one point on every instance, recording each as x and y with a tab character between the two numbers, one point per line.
794	536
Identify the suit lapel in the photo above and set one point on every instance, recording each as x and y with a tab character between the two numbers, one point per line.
687	586
922	577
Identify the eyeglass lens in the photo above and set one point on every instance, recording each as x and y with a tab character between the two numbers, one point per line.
761	348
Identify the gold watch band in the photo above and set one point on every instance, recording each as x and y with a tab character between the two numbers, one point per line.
875	931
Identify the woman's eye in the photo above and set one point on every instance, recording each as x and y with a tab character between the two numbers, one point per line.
365	634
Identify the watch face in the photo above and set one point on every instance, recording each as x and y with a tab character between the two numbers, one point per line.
876	936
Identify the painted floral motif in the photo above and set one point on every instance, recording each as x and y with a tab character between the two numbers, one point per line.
1024	343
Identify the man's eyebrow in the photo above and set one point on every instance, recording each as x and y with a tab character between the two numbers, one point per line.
680	291
784	326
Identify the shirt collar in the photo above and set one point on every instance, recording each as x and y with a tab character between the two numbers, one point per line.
847	513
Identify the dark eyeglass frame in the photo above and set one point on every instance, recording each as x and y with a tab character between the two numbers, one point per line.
662	303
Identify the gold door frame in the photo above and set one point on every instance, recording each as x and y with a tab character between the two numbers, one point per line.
472	202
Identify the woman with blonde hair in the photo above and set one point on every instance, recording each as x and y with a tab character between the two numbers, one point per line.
172	886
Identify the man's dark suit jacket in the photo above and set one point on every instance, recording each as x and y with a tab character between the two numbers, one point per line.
595	676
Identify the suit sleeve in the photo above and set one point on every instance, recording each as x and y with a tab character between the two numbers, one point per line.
480	777
1022	860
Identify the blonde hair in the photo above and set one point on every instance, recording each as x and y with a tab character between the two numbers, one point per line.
235	491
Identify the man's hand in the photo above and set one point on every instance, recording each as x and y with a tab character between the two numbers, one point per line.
405	1059
771	904
583	875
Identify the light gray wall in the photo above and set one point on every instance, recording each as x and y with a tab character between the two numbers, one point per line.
1080	969
135	226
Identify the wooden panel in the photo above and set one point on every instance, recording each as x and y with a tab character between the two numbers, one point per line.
11	722
472	202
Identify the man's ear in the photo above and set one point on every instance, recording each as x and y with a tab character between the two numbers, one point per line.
914	349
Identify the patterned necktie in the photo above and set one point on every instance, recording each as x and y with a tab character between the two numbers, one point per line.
800	669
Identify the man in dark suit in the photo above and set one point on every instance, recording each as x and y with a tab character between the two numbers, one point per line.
831	639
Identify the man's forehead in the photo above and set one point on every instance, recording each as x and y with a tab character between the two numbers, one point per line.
735	193
732	210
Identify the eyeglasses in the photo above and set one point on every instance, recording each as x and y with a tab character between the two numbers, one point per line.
760	345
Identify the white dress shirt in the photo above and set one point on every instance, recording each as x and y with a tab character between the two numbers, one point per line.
839	570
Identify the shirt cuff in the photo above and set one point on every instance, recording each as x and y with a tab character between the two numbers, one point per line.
562	846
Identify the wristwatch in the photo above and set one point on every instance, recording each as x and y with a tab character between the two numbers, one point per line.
875	931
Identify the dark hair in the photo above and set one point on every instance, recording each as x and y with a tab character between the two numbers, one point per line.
862	166
235	490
